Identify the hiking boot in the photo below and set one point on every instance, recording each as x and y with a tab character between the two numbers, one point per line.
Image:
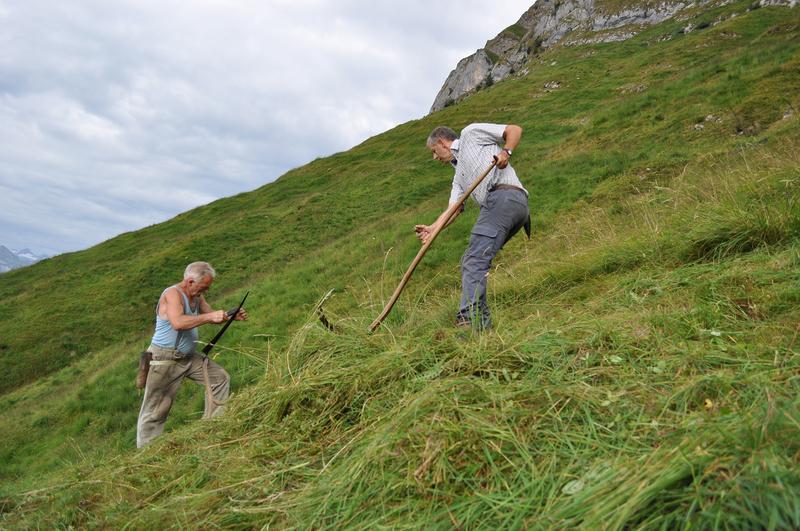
462	322
466	324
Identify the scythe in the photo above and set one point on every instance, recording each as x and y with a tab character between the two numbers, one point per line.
451	210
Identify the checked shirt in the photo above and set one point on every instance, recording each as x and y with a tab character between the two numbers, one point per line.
473	153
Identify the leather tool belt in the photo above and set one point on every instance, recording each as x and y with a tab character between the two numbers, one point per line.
155	355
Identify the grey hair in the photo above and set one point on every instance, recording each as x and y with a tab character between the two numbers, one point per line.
442	132
199	270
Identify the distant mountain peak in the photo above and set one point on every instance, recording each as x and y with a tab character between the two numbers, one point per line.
11	259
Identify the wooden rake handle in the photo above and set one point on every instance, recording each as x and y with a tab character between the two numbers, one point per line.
417	259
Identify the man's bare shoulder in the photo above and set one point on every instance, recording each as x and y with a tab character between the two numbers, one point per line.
172	295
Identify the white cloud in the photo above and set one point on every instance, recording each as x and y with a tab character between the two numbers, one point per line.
116	115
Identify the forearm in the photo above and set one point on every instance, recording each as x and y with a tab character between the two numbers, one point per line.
512	136
187	322
444	220
452	218
425	232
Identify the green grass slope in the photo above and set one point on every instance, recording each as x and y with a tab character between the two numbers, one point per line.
643	371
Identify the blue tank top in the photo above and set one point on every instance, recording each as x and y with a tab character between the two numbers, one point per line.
165	336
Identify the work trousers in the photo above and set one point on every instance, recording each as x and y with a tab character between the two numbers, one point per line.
163	382
505	212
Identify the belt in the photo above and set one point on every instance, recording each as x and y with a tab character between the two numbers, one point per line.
166	354
163	362
507	187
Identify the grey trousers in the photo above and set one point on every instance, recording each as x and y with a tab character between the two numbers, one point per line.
163	382
505	212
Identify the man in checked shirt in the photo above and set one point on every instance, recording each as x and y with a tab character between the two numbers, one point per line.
502	199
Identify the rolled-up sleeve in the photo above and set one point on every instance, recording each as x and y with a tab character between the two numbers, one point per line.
486	134
456	192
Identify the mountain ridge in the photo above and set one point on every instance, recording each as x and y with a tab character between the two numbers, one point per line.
551	22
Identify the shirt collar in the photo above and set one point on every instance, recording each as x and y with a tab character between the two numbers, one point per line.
454	151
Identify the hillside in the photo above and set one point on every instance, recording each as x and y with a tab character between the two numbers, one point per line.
643	371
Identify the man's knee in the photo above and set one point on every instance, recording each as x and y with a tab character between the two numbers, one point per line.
161	411
479	260
217	375
481	244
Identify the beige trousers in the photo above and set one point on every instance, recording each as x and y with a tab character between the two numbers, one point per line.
163	382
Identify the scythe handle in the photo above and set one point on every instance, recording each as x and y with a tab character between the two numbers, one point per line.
231	316
451	210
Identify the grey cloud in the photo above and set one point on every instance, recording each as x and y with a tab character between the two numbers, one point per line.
169	105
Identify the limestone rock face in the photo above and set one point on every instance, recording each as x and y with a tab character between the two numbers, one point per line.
468	75
567	22
787	3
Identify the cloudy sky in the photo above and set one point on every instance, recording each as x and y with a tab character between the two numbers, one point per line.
117	114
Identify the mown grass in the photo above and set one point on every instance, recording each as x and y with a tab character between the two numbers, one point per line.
643	370
658	395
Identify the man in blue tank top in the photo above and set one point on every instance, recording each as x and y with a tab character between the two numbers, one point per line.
181	309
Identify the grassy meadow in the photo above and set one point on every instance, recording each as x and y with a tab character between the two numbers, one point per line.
644	367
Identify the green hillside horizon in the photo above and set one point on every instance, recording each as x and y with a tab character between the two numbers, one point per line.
644	366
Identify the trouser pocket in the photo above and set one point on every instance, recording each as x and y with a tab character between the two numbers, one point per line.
482	241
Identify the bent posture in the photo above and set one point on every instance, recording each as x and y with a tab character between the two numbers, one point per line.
181	309
502	199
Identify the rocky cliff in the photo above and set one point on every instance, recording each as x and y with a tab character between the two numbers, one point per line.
566	22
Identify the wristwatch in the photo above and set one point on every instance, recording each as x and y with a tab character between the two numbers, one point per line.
507	151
